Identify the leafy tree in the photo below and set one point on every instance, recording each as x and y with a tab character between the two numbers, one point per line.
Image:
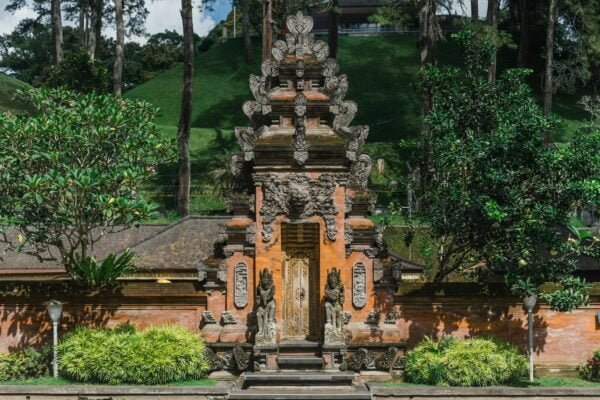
498	199
78	72
70	173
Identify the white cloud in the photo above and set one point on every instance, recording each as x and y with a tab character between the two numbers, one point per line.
9	21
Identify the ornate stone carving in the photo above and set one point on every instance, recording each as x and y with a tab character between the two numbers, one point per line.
359	285
348	234
222	271
202	271
334	313
378	271
360	171
378	237
372	318
361	359
372	204
348	204
240	296
297	197
251	233
236	169
236	359
208	318
265	314
397	272
246	138
343	113
387	360
215	363
227	318
347	317
392	317
299	41
270	67
300	143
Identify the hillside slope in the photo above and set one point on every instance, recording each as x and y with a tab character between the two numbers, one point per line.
8	88
381	72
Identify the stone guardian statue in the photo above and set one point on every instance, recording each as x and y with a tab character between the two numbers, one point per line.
265	313
334	311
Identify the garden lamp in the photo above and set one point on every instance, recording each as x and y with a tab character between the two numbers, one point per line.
529	303
55	308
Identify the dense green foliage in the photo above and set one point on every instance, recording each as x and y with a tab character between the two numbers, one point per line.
497	195
70	172
156	355
92	273
590	371
78	72
464	362
24	365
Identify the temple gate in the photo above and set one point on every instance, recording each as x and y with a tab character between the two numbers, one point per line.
302	263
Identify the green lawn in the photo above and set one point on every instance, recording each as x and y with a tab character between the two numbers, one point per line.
541	381
8	88
48	380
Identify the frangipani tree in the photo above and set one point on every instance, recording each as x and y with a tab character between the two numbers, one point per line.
70	173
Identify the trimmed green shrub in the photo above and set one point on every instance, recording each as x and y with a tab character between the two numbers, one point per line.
464	362
23	365
123	355
590	371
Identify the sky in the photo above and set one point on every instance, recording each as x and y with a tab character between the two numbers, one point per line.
164	14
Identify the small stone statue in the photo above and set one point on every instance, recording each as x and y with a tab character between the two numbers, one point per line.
265	314
334	311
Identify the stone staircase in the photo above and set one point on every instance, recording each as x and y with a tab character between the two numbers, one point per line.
300	376
299	385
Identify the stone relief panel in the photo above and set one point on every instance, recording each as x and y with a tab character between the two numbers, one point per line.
359	285
240	297
297	197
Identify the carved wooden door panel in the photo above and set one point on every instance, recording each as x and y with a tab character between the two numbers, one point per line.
299	293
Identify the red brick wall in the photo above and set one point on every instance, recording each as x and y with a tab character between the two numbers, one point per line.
561	339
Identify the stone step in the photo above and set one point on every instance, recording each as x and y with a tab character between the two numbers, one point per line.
282	379
301	362
306	393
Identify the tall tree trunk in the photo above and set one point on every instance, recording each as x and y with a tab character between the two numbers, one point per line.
185	118
267	29
91	44
475	10
246	31
492	20
524	33
548	69
82	39
57	35
334	22
96	25
427	26
118	68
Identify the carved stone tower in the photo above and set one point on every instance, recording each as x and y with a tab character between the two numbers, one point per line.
299	212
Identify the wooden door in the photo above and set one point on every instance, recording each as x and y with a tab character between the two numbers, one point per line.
300	296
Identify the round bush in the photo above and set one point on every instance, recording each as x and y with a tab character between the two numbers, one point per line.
24	365
464	362
155	356
590	371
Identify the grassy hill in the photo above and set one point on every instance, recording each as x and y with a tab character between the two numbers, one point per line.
8	87
382	73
